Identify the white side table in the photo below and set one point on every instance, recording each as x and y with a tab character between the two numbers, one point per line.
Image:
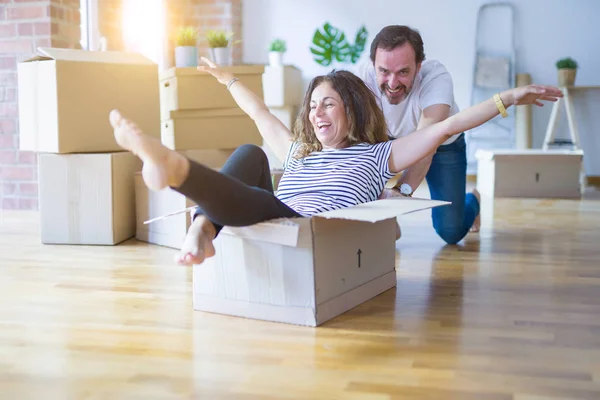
553	122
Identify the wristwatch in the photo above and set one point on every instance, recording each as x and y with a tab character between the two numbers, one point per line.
406	190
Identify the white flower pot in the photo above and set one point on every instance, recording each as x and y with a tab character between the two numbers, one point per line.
186	56
275	58
221	55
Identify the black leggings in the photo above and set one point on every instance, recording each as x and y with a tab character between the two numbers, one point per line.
241	194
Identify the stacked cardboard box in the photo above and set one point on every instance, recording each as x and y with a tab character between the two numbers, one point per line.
200	119
198	113
86	190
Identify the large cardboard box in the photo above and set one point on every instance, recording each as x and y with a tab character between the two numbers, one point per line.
190	89
65	97
304	271
283	86
209	129
169	232
87	198
530	173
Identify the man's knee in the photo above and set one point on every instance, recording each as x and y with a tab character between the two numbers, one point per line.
450	235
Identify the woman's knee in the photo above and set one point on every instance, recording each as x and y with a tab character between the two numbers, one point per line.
250	150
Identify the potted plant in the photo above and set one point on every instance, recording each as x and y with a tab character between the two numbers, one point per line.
567	69
276	50
219	43
186	52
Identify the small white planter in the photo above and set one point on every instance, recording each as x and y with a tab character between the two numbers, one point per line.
221	55
186	56
275	58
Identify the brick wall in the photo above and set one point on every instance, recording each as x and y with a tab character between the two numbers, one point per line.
24	26
28	24
204	15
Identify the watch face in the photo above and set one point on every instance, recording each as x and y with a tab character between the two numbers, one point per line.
405	189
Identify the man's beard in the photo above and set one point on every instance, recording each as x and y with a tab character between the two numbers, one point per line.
401	94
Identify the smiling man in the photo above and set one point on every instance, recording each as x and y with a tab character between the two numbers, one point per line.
413	94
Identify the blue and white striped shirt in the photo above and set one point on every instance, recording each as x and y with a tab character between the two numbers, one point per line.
334	178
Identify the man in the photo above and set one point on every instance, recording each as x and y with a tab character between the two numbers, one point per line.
414	93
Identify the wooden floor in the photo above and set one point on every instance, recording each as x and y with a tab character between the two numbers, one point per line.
511	313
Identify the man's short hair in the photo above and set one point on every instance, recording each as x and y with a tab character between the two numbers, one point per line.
393	36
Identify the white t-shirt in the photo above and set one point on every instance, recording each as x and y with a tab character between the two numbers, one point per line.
433	85
335	178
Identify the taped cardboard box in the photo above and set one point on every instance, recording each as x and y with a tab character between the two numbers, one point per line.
530	173
65	97
184	89
304	271
209	129
283	86
169	232
87	199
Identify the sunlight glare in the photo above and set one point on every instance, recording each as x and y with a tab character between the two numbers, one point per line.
143	27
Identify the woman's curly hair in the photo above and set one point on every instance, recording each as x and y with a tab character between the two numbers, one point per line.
366	122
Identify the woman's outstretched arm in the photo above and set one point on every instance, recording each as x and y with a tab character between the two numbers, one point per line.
409	149
273	131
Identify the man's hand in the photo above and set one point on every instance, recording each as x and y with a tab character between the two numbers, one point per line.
415	174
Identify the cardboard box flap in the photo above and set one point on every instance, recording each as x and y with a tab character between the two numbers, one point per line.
111	57
37	58
282	231
380	210
489	155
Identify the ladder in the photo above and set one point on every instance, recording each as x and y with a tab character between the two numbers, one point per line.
494	71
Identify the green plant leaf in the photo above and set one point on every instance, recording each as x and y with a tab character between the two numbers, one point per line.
187	36
359	45
329	44
566	63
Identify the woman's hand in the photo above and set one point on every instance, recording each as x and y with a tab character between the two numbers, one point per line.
533	94
222	76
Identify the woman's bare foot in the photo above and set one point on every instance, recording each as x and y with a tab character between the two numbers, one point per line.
197	245
398	231
162	166
477	223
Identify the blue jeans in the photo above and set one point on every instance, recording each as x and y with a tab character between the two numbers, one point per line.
447	180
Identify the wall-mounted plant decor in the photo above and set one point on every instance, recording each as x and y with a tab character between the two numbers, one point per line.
330	44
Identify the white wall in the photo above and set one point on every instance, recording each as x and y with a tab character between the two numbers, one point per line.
545	30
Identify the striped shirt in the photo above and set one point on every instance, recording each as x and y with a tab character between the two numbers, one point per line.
334	178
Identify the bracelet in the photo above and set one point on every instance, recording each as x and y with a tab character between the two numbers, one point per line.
231	82
500	105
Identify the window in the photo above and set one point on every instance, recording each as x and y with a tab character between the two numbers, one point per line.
143	32
90	33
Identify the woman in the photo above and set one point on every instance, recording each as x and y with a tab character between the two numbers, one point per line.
339	155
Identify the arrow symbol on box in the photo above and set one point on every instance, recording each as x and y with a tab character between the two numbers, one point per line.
359	252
